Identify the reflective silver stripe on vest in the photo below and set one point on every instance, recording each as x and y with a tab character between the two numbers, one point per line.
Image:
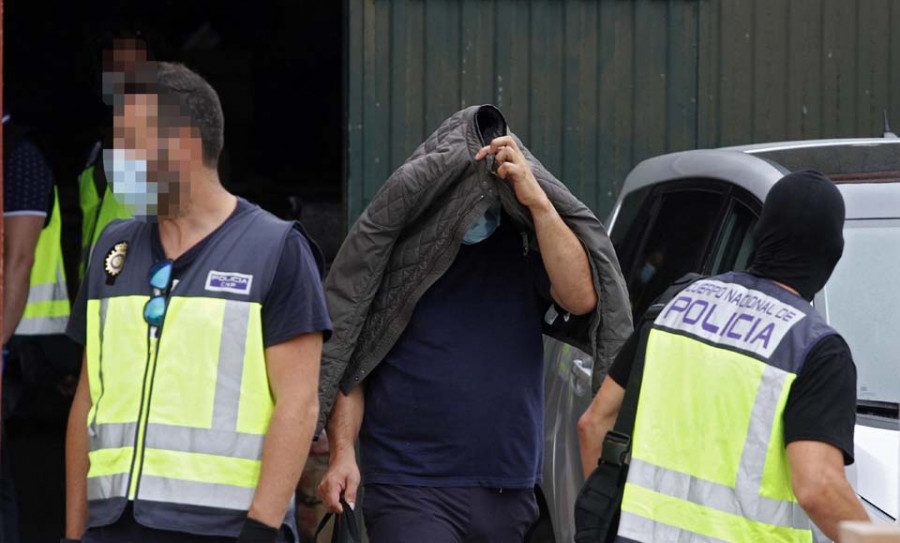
717	496
112	435
181	439
41	326
642	529
104	309
164	489
107	486
48	292
200	440
744	499
759	432
231	365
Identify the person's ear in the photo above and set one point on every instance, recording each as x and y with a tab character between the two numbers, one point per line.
192	142
184	145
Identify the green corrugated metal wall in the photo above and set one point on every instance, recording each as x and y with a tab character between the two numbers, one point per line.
594	87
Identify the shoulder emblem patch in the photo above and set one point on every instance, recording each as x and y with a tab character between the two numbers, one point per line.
115	259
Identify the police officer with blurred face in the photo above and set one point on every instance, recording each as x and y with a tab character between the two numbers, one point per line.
202	320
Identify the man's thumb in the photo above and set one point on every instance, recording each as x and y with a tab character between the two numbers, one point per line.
350	493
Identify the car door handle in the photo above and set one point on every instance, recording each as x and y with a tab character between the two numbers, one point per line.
581	376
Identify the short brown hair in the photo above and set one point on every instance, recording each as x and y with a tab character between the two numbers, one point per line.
194	101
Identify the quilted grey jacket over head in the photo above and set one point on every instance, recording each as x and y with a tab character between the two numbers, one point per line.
410	233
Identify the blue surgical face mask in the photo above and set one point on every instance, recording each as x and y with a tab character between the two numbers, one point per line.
130	185
484	226
647	273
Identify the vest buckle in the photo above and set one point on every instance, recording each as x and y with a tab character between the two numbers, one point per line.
616	449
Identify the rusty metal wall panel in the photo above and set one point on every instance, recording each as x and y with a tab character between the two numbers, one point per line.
595	86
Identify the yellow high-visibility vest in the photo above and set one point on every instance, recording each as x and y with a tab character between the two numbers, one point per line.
96	212
180	412
47	309
708	453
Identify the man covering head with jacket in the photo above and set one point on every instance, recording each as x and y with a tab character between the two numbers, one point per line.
450	411
748	399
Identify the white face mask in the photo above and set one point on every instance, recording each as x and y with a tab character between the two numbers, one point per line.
129	181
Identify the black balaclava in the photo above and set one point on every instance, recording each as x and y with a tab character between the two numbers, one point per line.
799	237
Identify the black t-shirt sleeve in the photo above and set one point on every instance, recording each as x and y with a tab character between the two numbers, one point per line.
822	402
621	368
295	304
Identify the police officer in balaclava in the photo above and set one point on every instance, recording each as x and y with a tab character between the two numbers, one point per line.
787	369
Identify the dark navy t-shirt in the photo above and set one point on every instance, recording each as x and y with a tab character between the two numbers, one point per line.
459	399
28	187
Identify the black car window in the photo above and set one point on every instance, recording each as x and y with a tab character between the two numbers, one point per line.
682	224
625	226
736	242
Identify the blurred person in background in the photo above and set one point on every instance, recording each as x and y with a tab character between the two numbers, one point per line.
35	303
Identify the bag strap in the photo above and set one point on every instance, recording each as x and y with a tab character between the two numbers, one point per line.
617	444
628	410
348	516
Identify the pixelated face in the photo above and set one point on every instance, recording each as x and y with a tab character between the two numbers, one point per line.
136	125
125	56
126	53
138	165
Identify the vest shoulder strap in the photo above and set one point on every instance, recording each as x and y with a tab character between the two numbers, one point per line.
628	411
95	159
93	155
120	229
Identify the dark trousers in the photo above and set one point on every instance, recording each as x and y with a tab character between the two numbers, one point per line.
9	503
9	509
127	530
412	514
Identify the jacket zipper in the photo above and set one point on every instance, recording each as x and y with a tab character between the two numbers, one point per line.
140	434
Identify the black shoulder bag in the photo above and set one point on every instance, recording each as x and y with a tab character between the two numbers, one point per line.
599	503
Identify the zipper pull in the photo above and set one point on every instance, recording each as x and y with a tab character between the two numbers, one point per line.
524	244
551	315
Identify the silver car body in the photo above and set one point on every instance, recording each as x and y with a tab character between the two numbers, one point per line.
864	288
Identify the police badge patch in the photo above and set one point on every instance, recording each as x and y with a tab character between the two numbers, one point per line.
115	261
